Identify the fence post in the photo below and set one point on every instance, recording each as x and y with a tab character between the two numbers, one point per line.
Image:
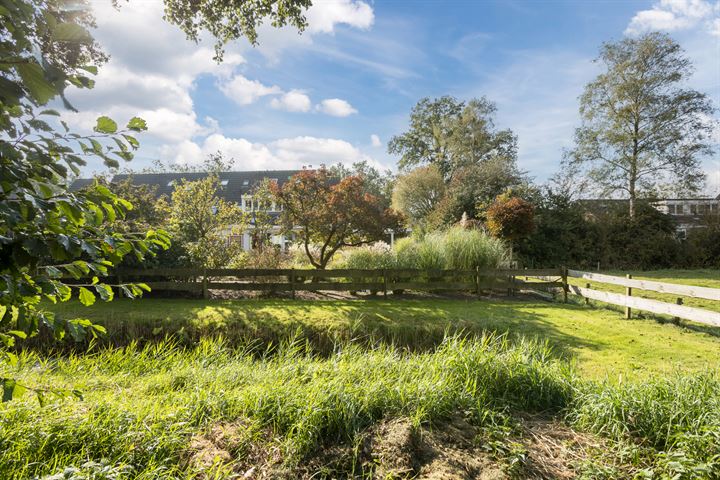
587	300
205	292
628	292
676	320
477	281
385	282
564	274
292	282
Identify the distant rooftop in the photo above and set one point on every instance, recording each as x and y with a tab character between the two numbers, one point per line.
234	184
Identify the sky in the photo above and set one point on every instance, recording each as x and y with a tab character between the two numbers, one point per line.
342	89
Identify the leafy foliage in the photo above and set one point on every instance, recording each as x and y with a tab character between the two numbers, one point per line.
417	194
511	217
331	214
200	220
641	129
228	20
48	233
451	133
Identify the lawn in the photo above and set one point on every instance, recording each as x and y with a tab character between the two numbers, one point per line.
600	341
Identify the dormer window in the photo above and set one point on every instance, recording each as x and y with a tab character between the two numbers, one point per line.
171	183
246	183
223	182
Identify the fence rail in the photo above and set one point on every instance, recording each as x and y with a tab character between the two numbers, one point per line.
352	280
654	306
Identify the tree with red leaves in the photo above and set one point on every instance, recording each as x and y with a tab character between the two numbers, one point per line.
330	214
510	218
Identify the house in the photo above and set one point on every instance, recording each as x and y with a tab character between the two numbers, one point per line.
237	187
688	213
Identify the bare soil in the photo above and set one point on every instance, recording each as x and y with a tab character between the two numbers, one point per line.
395	449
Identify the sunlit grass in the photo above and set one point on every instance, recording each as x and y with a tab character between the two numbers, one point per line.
601	341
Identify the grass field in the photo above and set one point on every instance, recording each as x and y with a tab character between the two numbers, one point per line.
599	340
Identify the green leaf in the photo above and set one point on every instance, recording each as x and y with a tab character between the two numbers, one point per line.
86	297
33	77
137	124
71	33
106	125
105	292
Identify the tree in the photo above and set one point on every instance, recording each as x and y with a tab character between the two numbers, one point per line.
331	214
417	193
640	127
426	139
473	187
49	234
511	218
229	20
451	134
376	183
201	220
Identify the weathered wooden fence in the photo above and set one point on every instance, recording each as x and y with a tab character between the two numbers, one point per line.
654	306
383	281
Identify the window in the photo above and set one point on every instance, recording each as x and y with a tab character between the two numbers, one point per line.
671	209
693	209
246	183
223	182
171	183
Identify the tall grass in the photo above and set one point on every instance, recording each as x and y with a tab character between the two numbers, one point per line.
143	404
453	249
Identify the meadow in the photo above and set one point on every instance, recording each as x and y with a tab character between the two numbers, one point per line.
425	388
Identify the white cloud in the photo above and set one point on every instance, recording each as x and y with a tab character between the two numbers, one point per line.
324	15
673	15
284	153
244	91
336	107
375	140
292	101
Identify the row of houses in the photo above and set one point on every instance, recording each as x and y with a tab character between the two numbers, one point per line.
238	187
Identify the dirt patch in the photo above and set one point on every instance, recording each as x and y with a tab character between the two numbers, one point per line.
395	449
555	451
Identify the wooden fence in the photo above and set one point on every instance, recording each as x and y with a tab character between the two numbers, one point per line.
383	281
655	306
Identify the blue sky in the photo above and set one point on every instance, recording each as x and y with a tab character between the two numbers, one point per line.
340	90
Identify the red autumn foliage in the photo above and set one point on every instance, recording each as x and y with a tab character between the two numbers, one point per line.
331	214
511	218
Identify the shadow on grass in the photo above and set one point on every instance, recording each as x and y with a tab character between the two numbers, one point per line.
412	324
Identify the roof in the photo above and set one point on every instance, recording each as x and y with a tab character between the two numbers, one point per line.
80	183
234	184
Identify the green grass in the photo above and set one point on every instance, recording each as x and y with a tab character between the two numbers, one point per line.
701	278
601	342
143	406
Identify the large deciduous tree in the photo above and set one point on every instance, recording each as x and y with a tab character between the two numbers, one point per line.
642	128
451	134
331	214
477	161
